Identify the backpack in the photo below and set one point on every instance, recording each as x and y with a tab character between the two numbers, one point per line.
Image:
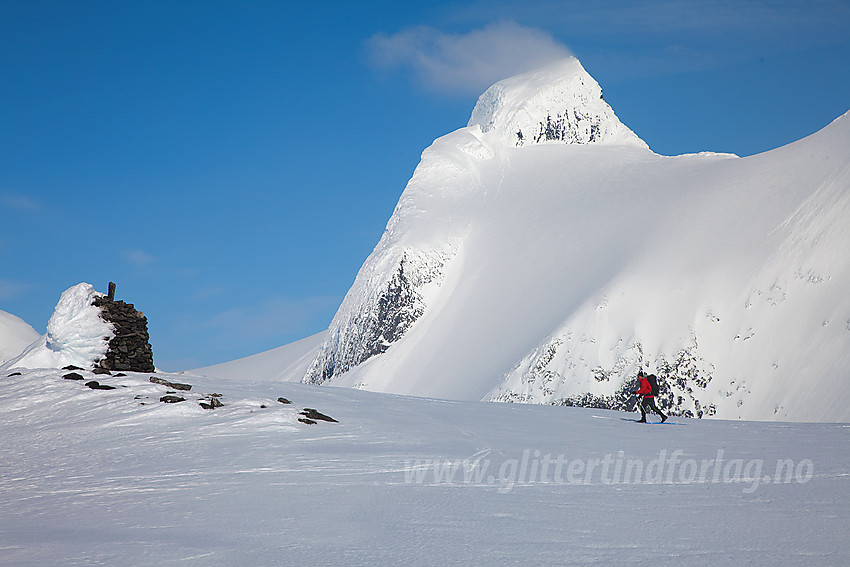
653	383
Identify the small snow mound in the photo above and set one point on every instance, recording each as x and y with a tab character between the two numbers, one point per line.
15	335
558	103
720	155
76	334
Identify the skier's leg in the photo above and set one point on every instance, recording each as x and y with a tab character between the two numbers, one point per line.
656	410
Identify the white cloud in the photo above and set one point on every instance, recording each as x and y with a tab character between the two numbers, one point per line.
18	202
208	292
269	318
465	63
138	258
659	19
10	289
657	37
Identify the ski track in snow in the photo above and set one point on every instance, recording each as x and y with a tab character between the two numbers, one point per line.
95	478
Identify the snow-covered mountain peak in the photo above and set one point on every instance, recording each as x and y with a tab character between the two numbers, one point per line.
558	103
551	275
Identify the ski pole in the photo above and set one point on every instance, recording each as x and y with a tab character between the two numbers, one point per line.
638	407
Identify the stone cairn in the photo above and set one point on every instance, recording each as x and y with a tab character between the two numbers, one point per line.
130	348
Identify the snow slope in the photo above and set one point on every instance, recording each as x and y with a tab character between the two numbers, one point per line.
15	336
92	477
280	363
546	267
458	175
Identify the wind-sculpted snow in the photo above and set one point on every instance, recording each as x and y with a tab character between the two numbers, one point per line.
119	477
76	334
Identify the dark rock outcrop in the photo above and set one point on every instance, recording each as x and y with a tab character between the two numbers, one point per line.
211	402
173	385
386	312
169	399
73	376
310	413
95	385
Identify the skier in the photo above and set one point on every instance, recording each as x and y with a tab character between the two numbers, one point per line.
646	390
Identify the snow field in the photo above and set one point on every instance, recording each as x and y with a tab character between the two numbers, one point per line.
95	478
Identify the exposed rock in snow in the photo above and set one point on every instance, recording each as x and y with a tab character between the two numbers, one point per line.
560	372
377	313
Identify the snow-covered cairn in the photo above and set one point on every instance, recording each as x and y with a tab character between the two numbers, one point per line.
89	329
129	347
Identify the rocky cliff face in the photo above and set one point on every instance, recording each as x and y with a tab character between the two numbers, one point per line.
367	325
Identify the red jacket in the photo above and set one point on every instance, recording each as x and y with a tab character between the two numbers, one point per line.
645	389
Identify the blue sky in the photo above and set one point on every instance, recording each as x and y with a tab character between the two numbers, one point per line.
230	164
